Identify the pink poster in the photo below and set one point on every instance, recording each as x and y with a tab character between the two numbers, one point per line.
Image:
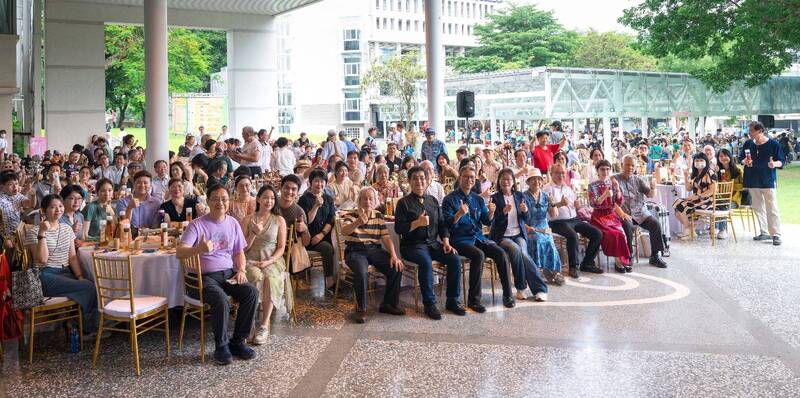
38	145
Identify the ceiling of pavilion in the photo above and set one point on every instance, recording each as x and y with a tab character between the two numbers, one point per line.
265	7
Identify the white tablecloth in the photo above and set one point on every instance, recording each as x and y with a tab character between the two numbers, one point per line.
155	274
666	195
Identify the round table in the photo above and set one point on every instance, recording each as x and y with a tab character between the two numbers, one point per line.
155	274
666	195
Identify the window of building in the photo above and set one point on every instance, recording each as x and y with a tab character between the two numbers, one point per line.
352	68
385	24
408	25
377	4
408	5
416	26
352	105
416	6
450	29
399	5
385	5
384	89
351	39
377	23
352	132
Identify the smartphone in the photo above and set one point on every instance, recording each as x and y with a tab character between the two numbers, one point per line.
149	251
233	281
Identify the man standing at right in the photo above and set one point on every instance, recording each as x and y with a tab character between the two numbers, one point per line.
760	156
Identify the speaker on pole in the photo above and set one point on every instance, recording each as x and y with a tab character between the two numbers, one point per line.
767	120
465	104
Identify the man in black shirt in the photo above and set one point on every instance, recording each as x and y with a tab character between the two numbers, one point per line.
393	161
320	214
419	221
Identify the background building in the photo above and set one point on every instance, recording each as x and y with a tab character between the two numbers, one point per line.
325	48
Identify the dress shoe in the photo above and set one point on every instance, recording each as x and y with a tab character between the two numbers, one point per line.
628	268
508	302
573	272
657	261
360	316
223	355
391	309
591	268
455	307
776	240
432	312
477	307
241	350
619	268
761	236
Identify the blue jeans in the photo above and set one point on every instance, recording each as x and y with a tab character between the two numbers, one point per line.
59	282
522	265
723	226
423	256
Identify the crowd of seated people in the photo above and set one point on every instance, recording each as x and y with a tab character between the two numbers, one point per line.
520	204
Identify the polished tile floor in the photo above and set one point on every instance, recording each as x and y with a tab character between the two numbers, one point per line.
719	322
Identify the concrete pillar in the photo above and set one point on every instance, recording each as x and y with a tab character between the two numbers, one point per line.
607	136
691	127
434	56
156	74
252	77
8	82
38	117
645	127
74	78
620	129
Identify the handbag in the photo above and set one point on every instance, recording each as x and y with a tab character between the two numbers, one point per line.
26	289
11	320
299	260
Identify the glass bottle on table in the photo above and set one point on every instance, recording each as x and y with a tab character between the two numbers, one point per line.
109	229
164	236
189	214
103	238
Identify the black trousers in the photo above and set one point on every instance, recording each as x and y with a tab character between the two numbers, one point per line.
255	170
325	249
216	290
359	258
653	227
570	229
477	253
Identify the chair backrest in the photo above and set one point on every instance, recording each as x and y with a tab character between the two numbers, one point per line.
192	275
113	279
337	225
201	187
20	249
723	195
290	241
448	184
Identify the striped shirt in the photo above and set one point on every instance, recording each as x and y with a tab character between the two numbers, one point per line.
58	244
370	233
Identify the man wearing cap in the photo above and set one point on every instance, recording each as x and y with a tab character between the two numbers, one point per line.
333	146
301	170
432	146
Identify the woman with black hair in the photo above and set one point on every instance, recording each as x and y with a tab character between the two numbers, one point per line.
702	184
72	197
443	167
728	171
217	173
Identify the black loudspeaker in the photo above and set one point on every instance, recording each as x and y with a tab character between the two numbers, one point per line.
465	104
767	120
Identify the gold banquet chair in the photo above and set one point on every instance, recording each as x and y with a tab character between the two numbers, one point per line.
54	309
142	313
345	274
193	307
721	200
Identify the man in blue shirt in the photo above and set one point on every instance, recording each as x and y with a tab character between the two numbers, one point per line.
465	214
760	156
432	147
141	208
349	144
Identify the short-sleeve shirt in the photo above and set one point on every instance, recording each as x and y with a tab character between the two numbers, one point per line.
93	213
228	240
11	207
370	233
556	193
634	190
143	216
58	243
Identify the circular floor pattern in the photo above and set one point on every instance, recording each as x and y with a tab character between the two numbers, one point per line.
679	292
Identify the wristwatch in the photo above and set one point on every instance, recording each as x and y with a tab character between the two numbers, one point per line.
39	237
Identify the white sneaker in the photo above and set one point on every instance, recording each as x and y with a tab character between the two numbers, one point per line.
722	234
521	295
261	336
541	296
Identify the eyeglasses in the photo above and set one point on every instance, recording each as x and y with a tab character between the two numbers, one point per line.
218	200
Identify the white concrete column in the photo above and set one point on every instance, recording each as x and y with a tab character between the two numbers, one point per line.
434	56
645	127
691	127
156	74
8	83
607	136
252	77
74	77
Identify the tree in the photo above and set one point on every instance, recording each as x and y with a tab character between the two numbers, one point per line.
396	77
518	37
748	40
610	50
191	55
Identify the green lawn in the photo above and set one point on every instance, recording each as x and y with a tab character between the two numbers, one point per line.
789	193
175	140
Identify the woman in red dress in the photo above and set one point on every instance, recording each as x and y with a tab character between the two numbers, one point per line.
605	198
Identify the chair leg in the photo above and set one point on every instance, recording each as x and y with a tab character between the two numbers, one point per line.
202	335
97	341
294	300
30	339
80	325
493	275
733	230
166	328
183	324
336	290
135	344
712	230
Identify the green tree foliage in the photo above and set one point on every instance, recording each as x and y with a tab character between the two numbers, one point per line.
610	50
518	37
192	56
747	40
396	77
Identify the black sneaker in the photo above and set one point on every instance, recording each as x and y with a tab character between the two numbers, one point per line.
241	350
761	236
657	261
455	307
776	240
432	312
628	269
477	307
591	268
508	302
391	309
573	272
223	355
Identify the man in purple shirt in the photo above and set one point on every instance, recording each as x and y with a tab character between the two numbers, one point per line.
141	208
219	242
